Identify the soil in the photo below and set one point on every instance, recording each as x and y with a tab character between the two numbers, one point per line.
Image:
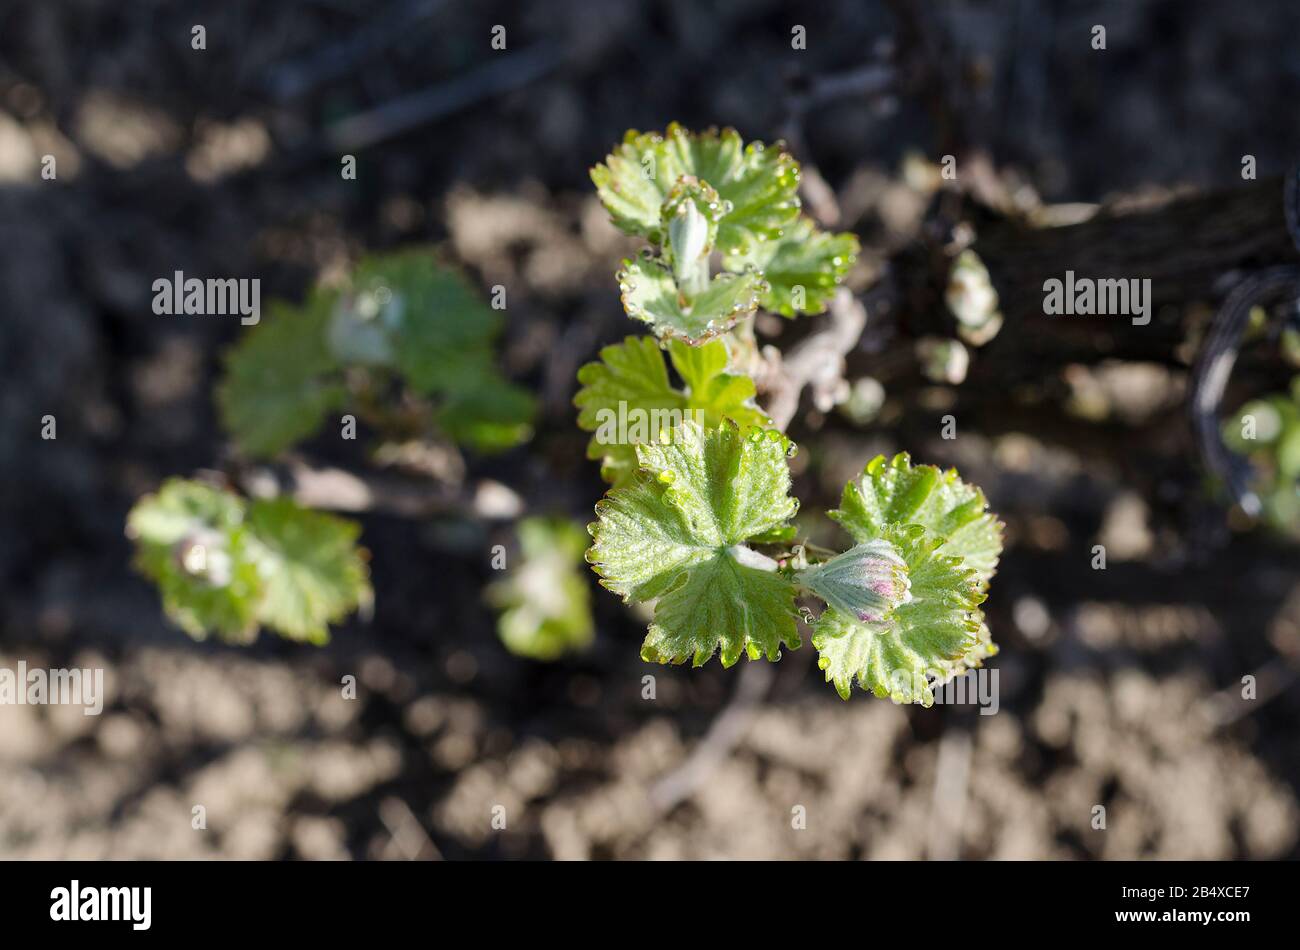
1117	686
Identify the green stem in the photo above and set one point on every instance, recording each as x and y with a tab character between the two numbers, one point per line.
742	347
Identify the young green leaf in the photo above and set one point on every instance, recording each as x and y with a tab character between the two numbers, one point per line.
712	391
972	659
400	312
1267	430
923	637
281	379
313	572
896	492
682	529
545	602
628	184
676	534
627	397
190	540
494	416
224	566
757	185
650	293
622	397
802	267
760	184
441	335
443	332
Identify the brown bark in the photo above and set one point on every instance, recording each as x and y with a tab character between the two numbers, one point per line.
1185	245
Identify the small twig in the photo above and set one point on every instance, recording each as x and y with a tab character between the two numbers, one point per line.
724	733
408	836
874	82
335	489
299	77
1271	680
511	71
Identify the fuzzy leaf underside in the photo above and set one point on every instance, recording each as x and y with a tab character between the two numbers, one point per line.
649	293
280	566
803	256
760	183
723	606
897	492
671	534
633	374
930	638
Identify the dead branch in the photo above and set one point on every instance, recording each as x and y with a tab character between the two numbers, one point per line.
816	361
1184	245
